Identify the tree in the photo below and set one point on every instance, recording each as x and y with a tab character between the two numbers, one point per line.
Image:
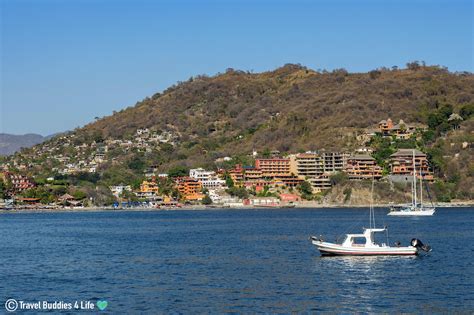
467	111
266	153
338	178
414	65
2	189
229	181
434	120
445	111
306	190
79	194
239	192
206	200
178	171
136	163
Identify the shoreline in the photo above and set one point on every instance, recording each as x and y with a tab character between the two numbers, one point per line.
221	208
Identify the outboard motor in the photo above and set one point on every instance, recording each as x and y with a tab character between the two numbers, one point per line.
419	244
317	239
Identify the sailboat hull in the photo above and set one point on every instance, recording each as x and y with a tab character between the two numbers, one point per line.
409	212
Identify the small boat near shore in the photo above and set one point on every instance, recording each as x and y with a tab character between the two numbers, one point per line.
351	246
365	245
415	208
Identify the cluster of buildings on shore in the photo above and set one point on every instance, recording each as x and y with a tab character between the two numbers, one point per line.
280	174
277	173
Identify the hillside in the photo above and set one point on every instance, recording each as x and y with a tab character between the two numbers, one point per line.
290	109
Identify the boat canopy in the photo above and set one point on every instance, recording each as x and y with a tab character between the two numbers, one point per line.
368	235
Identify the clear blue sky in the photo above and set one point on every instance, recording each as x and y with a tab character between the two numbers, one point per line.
65	62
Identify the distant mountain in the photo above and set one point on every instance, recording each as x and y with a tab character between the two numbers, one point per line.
10	144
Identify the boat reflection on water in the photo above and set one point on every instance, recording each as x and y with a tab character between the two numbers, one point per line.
365	280
362	261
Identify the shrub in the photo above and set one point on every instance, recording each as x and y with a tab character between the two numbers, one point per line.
338	178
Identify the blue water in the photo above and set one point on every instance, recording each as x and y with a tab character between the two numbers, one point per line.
234	261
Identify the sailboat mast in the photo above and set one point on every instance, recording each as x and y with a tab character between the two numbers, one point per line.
414	180
421	188
371	210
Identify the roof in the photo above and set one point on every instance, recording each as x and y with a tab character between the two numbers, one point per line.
407	152
66	197
309	155
362	157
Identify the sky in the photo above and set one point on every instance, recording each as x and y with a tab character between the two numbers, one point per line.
63	63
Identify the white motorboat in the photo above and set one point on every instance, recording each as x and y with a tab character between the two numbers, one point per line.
365	245
415	208
351	245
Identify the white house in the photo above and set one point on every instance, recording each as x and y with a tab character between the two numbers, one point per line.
208	179
119	189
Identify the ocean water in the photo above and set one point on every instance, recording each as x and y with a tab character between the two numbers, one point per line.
234	261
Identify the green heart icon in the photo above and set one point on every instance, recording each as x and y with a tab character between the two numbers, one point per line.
102	305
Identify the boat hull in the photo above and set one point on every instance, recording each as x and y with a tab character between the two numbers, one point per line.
427	212
330	249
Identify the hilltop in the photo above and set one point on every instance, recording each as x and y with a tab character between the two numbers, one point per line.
290	109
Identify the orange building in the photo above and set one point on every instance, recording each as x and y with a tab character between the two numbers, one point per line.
385	125
148	190
363	167
149	186
237	173
401	130
190	188
401	163
273	167
252	174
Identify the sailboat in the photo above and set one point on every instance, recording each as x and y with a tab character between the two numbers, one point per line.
415	208
364	244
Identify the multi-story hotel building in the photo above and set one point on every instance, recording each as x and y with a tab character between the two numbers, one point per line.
273	167
316	168
363	167
401	163
334	161
307	164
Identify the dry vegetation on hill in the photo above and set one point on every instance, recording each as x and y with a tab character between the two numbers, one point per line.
292	108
